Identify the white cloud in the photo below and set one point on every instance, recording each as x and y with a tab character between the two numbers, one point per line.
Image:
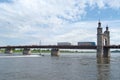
29	21
115	4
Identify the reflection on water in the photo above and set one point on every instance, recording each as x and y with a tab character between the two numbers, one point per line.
103	67
103	60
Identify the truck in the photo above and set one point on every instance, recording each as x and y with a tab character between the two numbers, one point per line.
63	43
86	44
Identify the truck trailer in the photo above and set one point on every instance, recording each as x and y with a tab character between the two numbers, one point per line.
63	43
86	44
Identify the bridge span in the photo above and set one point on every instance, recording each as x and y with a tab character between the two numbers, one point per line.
54	48
61	46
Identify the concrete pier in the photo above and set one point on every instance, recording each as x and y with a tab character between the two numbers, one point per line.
54	52
26	51
8	50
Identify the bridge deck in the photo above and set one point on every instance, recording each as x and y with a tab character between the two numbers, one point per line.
113	46
61	47
53	46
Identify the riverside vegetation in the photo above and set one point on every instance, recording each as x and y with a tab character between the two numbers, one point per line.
48	51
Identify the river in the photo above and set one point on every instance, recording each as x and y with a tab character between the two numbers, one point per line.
70	66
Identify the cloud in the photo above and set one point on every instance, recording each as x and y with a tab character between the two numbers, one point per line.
115	4
29	21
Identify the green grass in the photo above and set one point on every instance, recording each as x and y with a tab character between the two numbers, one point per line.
48	51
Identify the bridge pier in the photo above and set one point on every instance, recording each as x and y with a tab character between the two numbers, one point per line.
54	52
26	51
106	53
8	50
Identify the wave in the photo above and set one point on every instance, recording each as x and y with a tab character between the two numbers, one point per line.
20	56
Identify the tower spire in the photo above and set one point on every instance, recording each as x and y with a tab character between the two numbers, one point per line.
99	24
106	27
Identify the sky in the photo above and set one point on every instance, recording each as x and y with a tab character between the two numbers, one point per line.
46	22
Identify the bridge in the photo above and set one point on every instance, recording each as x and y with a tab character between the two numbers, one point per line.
10	48
52	46
54	51
61	46
103	45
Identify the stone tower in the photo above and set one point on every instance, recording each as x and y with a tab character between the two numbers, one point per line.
99	40
106	42
103	39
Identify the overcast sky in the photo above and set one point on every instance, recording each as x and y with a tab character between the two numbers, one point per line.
27	22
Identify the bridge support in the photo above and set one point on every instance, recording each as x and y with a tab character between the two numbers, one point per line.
54	52
26	51
103	39
8	50
106	53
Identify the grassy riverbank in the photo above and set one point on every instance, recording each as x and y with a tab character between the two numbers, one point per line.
49	51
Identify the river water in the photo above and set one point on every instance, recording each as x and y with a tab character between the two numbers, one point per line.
75	66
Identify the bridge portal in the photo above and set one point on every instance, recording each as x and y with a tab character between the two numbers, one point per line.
103	39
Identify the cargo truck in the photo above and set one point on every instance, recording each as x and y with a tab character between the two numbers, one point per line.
86	44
